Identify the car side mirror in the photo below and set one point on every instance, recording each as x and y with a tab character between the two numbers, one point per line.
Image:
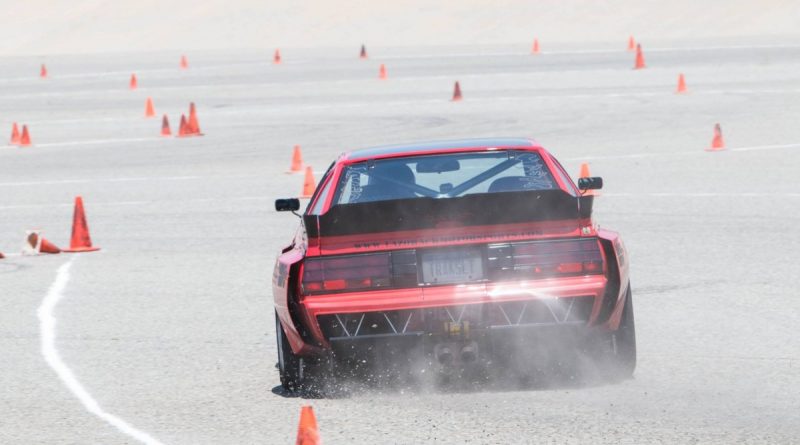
593	183
287	205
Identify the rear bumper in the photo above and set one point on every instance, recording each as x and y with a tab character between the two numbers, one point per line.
573	301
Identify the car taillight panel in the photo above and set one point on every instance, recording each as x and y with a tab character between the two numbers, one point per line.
544	259
356	272
502	262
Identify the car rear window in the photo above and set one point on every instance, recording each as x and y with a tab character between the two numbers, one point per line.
443	176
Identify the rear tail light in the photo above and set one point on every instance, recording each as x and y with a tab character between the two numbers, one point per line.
543	259
399	269
347	273
359	272
569	268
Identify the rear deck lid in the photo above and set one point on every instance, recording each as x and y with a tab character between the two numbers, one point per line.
416	222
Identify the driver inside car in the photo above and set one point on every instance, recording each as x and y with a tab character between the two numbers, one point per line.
383	182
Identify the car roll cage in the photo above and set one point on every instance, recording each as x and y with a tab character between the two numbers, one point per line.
513	159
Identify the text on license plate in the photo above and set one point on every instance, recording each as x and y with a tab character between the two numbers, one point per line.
452	266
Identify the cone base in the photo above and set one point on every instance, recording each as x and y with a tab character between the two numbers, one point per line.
81	249
715	149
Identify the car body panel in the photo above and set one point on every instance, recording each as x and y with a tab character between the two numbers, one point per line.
623	275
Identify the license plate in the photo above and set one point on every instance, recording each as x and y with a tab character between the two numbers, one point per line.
452	266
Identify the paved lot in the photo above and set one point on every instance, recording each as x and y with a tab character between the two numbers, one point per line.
169	327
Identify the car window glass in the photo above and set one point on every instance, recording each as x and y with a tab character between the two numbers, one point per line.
323	194
443	176
562	174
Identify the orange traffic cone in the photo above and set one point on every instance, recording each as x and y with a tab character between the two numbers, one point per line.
80	241
457	92
297	160
277	57
25	139
535	48
382	73
184	62
182	128
48	247
308	183
134	83
307	432
192	127
717	143
639	58
165	130
43	71
631	44
585	174
149	110
363	54
14	134
36	244
681	84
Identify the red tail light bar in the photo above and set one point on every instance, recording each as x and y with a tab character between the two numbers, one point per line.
347	273
544	259
502	262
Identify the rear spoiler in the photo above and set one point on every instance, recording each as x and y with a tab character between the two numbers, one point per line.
428	213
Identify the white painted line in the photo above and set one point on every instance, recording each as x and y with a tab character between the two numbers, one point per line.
765	147
684	153
620	50
89	181
485	96
635	155
47	327
171	73
98	142
142	202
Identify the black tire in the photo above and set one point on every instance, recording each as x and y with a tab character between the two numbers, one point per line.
623	341
290	366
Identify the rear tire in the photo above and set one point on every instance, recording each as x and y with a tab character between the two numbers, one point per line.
623	341
290	366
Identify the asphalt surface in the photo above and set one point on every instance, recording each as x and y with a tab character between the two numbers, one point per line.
170	328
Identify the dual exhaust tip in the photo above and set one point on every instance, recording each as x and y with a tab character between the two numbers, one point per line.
446	357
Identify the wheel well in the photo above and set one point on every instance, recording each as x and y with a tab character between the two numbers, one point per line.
294	306
613	287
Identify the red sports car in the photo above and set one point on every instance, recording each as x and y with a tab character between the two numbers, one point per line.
449	251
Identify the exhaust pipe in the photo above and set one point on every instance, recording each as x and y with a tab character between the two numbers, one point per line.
469	353
444	355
